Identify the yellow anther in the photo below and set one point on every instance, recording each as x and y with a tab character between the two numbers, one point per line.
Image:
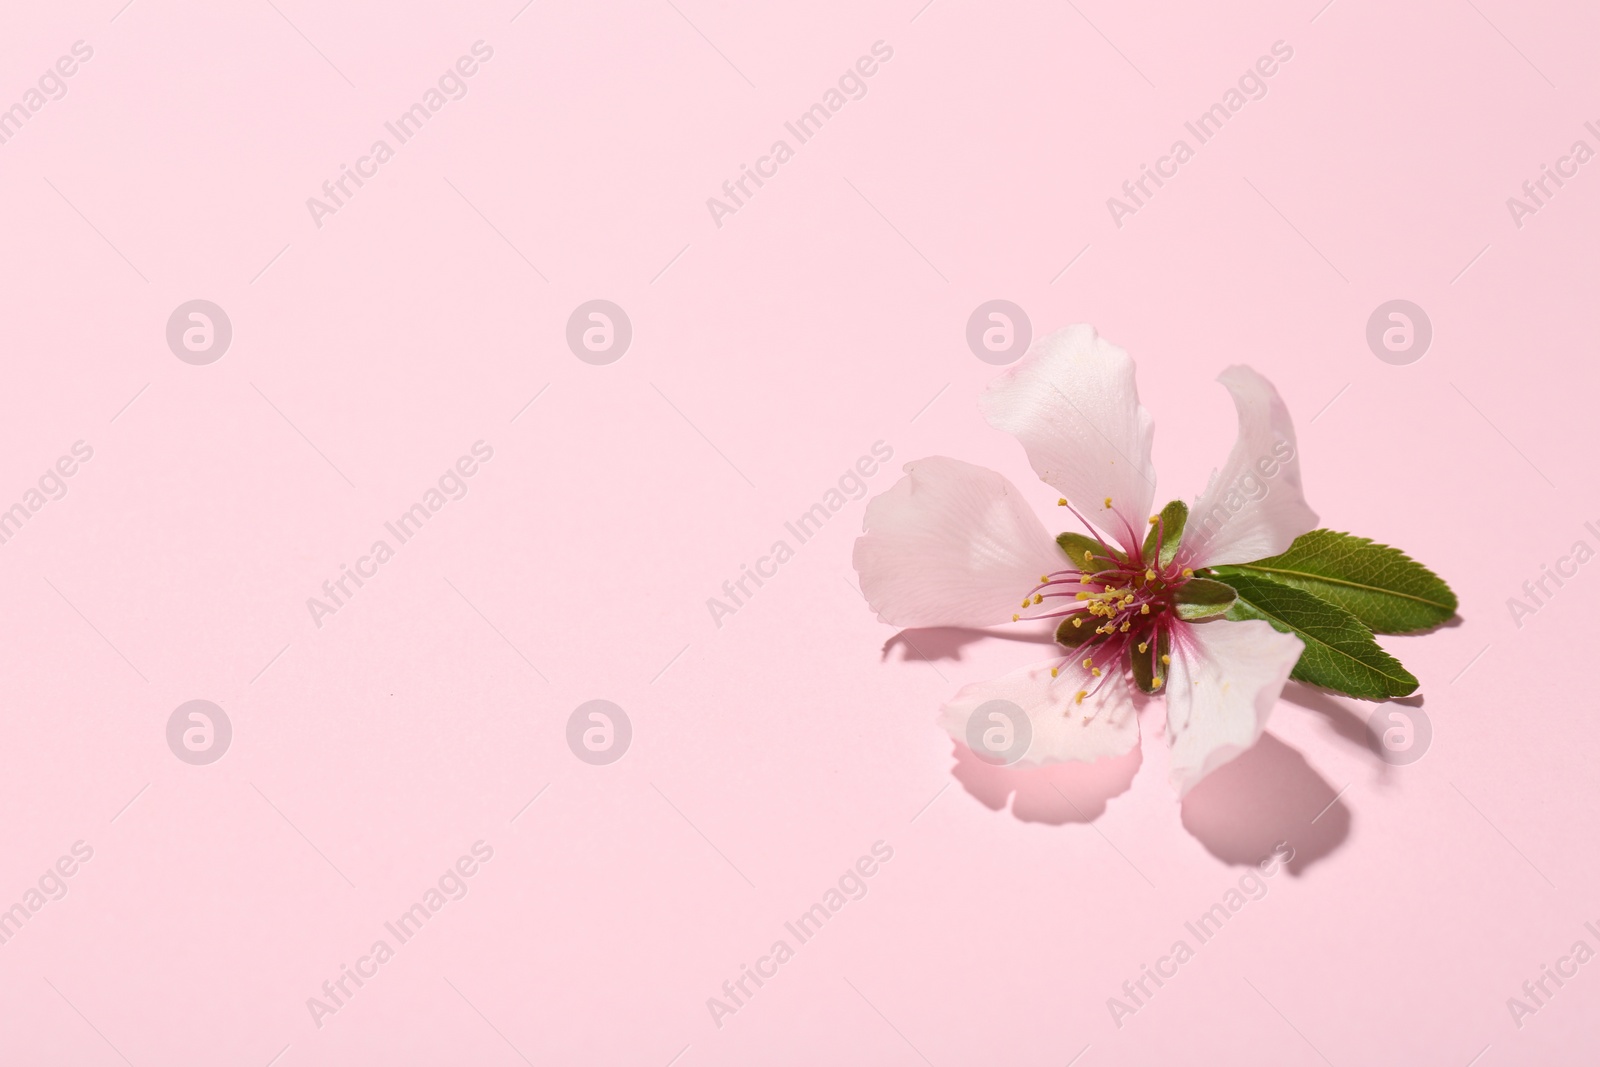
1108	502
1149	575
1077	622
1054	672
1088	556
1188	572
1081	596
1095	671
1038	598
1144	646
1166	659
1061	503
1125	626
1044	579
1154	519
1026	601
1081	694
1014	618
1155	683
1144	609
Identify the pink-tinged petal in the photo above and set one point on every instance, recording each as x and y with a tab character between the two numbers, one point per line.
1105	724
1073	403
951	544
1253	507
1221	686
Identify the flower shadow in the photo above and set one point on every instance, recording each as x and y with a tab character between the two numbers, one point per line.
1270	795
947	642
1056	794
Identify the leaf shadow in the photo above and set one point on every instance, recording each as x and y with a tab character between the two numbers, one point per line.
1345	722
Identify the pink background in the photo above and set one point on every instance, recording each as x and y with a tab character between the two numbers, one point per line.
768	354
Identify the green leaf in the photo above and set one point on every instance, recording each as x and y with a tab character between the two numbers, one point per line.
1082	634
1340	653
1170	532
1200	598
1075	545
1145	669
1390	592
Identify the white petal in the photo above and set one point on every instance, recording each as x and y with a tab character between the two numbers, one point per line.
1221	686
1253	507
951	544
1073	403
1061	729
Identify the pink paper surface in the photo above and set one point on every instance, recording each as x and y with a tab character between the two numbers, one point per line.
377	339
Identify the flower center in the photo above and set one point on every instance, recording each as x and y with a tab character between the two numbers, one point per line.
1115	606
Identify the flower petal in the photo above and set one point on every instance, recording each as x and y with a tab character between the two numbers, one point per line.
1074	405
1221	686
1106	724
951	544
1253	507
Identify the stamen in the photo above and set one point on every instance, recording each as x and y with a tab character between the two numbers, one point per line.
1081	694
1188	572
1166	660
1155	683
1061	503
1108	502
